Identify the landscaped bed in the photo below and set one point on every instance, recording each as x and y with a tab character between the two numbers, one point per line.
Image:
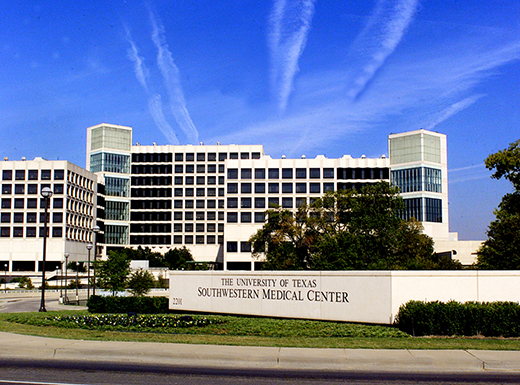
233	330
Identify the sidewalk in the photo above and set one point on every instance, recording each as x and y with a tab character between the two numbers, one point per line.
13	346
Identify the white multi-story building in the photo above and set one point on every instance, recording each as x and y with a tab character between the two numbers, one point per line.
212	198
71	213
208	198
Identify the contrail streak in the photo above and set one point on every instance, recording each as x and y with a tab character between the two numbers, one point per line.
155	106
289	24
154	101
452	110
380	38
172	83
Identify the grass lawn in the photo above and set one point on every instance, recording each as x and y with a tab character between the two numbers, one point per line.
235	330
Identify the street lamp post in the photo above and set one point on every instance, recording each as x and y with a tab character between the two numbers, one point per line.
46	194
77	283
89	247
95	229
66	299
5	277
61	281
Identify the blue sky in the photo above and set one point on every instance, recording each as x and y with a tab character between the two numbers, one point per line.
298	76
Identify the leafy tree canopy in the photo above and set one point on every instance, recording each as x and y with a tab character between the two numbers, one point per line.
173	259
140	282
345	230
112	273
502	248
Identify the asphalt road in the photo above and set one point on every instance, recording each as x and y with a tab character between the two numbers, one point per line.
43	372
28	302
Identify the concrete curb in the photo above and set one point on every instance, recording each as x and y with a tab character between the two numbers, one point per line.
13	346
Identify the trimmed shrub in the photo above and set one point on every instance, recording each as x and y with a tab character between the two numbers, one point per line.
491	319
138	305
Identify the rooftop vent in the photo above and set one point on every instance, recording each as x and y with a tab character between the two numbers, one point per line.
363	156
383	156
284	157
24	158
304	157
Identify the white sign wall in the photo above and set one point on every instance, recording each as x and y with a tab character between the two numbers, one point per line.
353	296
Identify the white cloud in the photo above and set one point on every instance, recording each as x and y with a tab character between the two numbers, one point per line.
172	83
426	89
154	101
448	112
289	23
133	55
383	33
155	106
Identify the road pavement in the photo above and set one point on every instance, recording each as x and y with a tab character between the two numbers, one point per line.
24	347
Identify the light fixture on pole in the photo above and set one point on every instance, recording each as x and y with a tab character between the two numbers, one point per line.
89	247
5	277
95	229
46	194
77	283
66	299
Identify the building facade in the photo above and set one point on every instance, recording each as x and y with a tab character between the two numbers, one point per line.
208	198
212	198
71	213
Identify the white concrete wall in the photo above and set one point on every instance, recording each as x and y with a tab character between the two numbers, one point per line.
353	296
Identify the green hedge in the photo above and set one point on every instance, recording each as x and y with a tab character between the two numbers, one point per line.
491	319
140	305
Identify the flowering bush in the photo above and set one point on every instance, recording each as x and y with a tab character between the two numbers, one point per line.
130	322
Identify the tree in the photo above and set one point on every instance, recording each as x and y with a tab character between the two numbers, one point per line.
112	273
161	282
24	283
285	239
140	282
344	230
502	248
176	259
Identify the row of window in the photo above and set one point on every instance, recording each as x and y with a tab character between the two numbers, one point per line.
152	169
246	217
200	168
199	203
32	174
260	203
423	209
200	192
198	239
198	215
177	227
152	181
191	157
109	162
212	156
177	239
31	189
286	188
32	203
30	232
274	173
29	217
418	179
151	192
200	180
198	227
232	247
